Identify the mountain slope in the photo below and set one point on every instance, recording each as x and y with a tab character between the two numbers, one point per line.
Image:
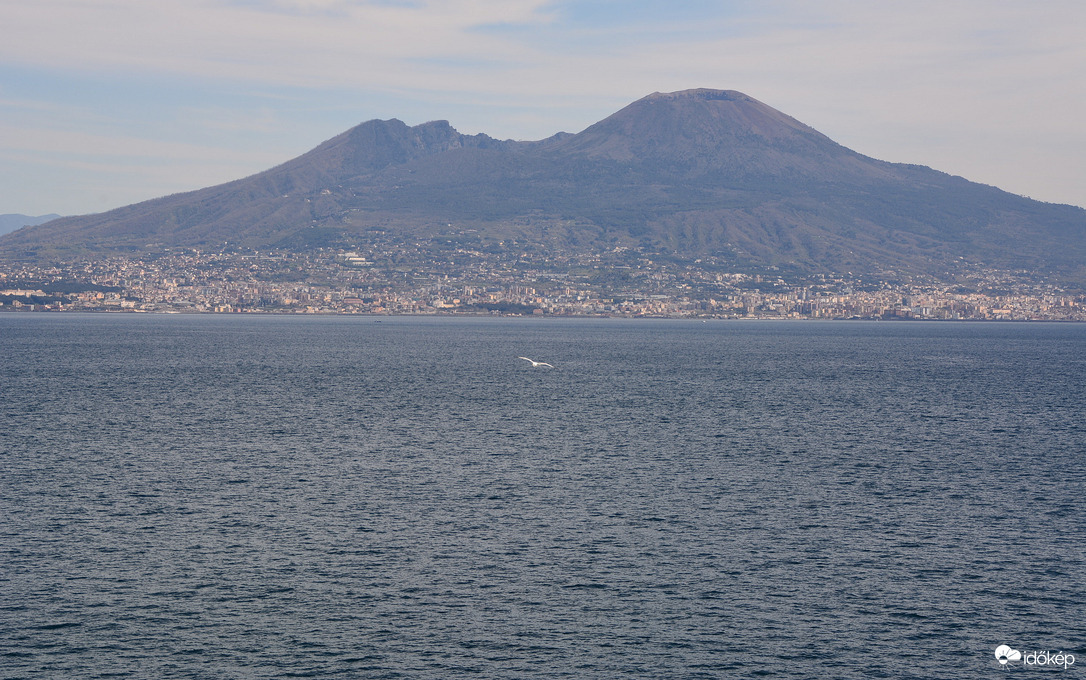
13	221
695	173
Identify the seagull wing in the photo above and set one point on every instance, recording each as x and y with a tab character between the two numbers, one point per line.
536	363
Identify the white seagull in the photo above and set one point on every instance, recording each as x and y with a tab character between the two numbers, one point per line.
536	364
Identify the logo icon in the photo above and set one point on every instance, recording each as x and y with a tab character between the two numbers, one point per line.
1005	654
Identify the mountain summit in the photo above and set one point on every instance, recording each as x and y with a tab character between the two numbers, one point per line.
697	173
715	126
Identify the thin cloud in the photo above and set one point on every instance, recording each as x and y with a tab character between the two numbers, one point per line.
50	141
259	41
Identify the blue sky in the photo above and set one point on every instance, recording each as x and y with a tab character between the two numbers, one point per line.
108	102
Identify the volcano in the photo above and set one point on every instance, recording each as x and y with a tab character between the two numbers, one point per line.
697	173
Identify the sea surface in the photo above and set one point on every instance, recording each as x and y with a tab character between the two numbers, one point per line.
270	497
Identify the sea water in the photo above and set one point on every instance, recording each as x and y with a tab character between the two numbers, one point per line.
188	496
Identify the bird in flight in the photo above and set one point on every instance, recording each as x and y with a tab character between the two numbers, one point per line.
536	364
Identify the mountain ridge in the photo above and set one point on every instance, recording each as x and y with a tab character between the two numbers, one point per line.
694	173
12	221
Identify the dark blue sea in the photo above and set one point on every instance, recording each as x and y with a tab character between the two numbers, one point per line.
270	497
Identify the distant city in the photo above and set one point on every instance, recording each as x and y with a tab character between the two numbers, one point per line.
435	277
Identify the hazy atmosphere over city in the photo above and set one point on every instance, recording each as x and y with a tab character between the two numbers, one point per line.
109	102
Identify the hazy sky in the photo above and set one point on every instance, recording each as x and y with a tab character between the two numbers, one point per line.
109	102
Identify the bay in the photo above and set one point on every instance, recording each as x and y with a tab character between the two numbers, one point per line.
252	497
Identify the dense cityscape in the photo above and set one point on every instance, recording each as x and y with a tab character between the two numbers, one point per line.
443	277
